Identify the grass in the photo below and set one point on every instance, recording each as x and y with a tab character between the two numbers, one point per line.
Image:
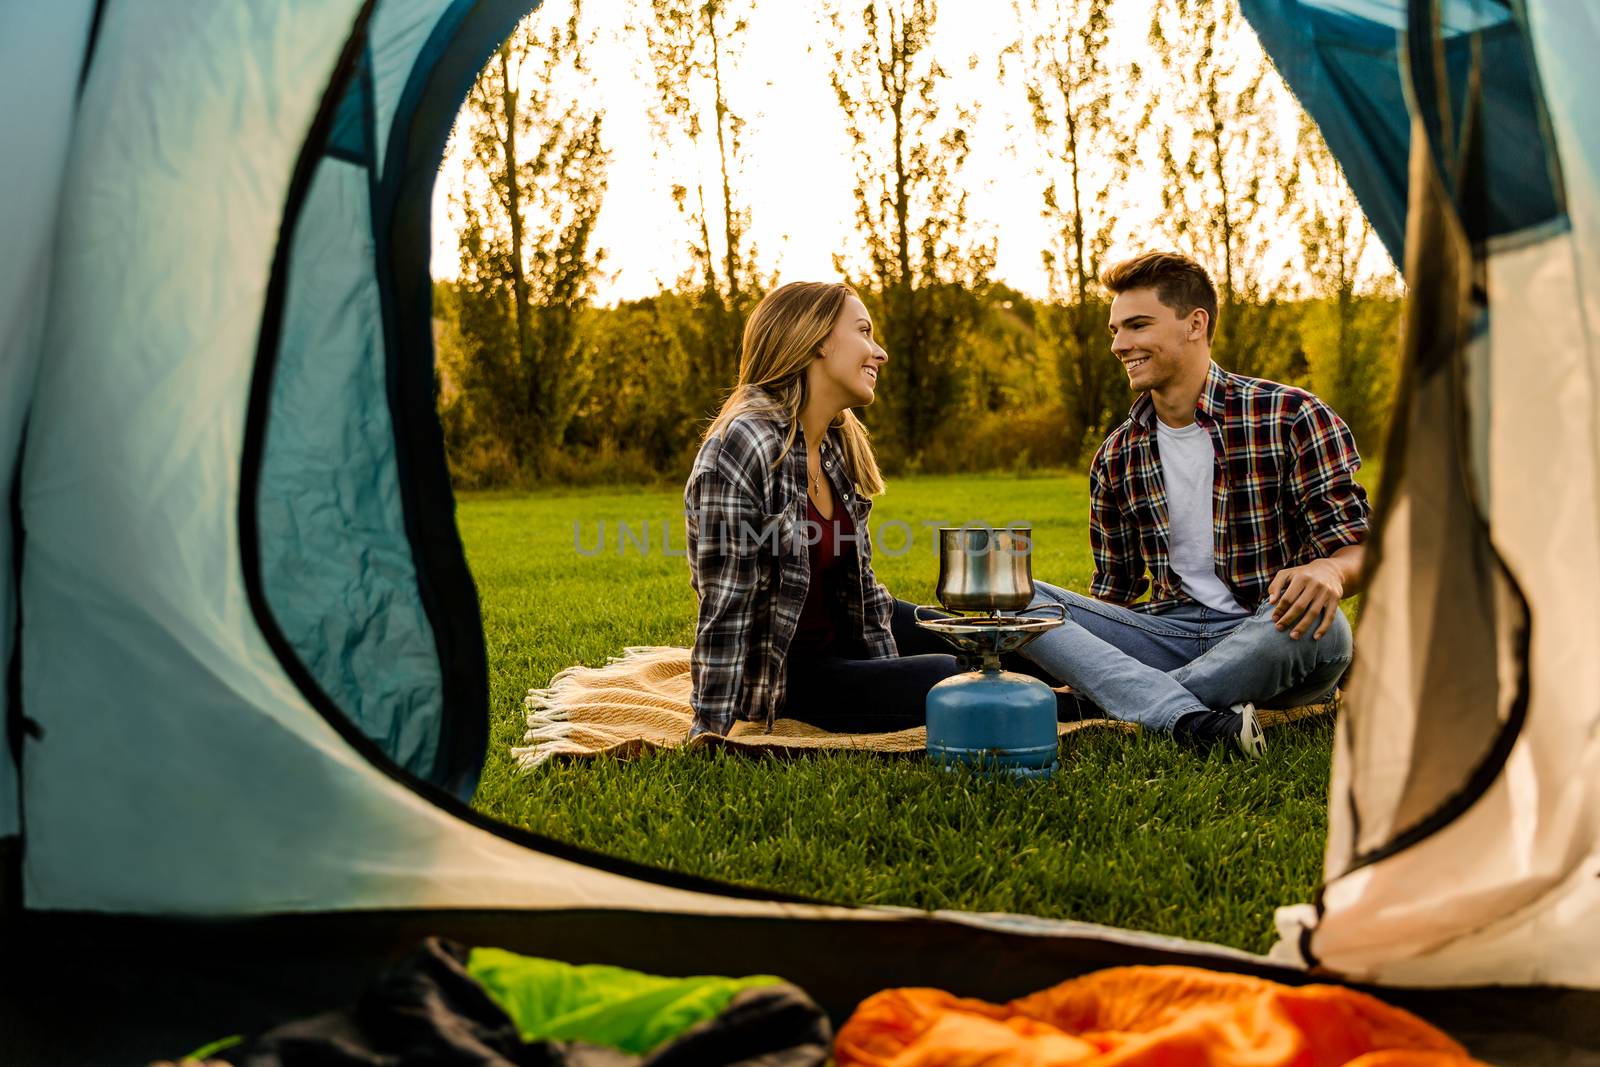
1131	831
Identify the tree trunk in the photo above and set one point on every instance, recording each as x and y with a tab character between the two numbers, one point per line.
524	443
732	258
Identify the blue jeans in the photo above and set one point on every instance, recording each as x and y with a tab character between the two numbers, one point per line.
1154	669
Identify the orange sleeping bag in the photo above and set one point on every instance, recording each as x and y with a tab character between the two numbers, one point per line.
1144	1017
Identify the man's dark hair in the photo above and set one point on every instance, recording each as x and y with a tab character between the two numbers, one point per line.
1180	283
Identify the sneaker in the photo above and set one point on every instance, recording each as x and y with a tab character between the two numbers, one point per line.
1237	727
1251	739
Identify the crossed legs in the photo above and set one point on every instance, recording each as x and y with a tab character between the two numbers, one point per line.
1155	669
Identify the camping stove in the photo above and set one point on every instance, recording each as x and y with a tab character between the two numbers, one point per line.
989	718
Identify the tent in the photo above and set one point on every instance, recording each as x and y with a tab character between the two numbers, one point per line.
246	680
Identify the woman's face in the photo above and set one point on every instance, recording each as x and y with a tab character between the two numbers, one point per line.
848	366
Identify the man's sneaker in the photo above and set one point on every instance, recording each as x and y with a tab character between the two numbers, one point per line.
1237	727
1252	741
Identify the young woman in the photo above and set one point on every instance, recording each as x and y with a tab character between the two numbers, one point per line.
792	621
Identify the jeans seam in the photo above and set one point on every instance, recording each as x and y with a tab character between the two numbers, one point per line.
1138	620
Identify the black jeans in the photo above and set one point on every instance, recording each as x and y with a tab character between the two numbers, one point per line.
843	691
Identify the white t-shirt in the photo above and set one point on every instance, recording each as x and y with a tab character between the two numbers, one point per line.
1186	465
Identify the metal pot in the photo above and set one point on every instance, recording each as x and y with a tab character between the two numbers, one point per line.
985	569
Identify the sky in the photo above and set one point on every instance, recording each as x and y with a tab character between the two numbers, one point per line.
799	170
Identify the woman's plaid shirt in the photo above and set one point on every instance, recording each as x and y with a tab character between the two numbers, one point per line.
1283	492
750	564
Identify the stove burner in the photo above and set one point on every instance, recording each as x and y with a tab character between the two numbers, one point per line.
989	636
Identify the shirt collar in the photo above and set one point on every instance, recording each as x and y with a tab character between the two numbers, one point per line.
1213	400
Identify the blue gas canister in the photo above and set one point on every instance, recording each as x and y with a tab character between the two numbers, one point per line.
987	718
993	720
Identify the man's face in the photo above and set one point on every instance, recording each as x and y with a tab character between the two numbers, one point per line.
1153	343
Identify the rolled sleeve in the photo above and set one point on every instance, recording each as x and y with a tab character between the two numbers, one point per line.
879	612
1118	564
877	603
724	534
1331	507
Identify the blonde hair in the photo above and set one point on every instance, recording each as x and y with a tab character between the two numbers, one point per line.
783	336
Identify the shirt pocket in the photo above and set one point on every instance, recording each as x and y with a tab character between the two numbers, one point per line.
1255	482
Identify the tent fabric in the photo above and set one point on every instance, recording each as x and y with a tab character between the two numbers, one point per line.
42	47
466	33
411	33
337	566
1450	630
1504	798
1455	16
1347	73
335	558
145	665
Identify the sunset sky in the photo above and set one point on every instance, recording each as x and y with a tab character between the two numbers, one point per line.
798	167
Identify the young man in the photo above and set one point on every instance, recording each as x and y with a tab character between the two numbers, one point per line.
1233	500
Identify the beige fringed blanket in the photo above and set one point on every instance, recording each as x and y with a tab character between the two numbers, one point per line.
639	702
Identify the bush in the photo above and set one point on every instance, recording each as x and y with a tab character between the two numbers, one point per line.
605	465
484	463
1023	444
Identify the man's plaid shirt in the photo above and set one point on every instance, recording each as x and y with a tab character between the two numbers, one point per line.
1283	492
750	565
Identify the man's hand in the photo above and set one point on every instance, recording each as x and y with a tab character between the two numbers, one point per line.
1308	595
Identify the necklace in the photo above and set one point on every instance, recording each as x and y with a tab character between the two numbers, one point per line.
816	483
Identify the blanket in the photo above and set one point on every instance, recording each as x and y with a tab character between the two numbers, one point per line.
639	702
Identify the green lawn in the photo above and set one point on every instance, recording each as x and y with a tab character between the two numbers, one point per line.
1132	830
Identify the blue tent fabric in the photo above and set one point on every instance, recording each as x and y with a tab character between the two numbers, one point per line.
336	562
465	34
362	568
1455	16
42	50
359	554
1518	165
352	136
1346	72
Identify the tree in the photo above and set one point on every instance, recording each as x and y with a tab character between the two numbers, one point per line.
1219	155
1087	146
1352	328
925	274
532	190
636	347
692	45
